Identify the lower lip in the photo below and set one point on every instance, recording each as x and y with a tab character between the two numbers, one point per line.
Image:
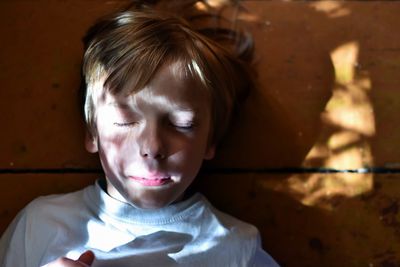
151	182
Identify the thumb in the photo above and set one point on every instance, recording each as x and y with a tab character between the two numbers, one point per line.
87	258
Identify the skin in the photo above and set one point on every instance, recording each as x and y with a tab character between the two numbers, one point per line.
160	133
86	259
152	144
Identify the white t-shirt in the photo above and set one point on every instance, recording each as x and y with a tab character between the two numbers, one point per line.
188	233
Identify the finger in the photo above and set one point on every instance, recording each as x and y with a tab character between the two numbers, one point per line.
63	262
87	258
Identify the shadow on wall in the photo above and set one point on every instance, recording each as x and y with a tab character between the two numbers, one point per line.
343	144
302	116
307	113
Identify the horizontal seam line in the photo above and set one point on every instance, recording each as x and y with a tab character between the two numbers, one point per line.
209	170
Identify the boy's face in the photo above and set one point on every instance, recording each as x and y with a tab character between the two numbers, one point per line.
151	144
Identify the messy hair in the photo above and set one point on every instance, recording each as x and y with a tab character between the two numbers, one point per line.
127	48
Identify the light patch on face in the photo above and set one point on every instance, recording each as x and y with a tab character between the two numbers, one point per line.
159	101
183	118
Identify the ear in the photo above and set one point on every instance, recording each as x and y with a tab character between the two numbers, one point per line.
91	143
210	152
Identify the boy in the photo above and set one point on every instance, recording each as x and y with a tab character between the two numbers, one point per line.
159	97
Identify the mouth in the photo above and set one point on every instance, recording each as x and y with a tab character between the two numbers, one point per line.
152	181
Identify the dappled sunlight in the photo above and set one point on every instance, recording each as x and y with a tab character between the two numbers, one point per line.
201	6
343	144
217	3
324	190
344	59
103	241
333	9
206	5
238	13
351	109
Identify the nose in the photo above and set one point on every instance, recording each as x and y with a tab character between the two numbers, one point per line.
151	143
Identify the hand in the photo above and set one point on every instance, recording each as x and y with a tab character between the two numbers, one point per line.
85	260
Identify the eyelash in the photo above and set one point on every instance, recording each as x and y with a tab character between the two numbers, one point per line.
186	127
124	124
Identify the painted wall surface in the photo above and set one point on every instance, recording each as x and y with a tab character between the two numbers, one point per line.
309	160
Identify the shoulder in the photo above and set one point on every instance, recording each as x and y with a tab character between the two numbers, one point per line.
235	226
58	201
51	203
229	230
244	238
44	213
238	239
35	226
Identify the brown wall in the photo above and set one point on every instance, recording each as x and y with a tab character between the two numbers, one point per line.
328	100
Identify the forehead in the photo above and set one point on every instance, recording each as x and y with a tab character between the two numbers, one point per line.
171	86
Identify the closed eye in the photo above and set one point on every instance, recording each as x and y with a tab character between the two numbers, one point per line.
185	127
124	124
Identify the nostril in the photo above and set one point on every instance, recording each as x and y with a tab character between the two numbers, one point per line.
144	154
151	144
152	155
160	156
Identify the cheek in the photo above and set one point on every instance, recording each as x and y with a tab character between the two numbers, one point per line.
111	142
191	152
115	149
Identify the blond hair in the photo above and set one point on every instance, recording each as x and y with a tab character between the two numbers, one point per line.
127	48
